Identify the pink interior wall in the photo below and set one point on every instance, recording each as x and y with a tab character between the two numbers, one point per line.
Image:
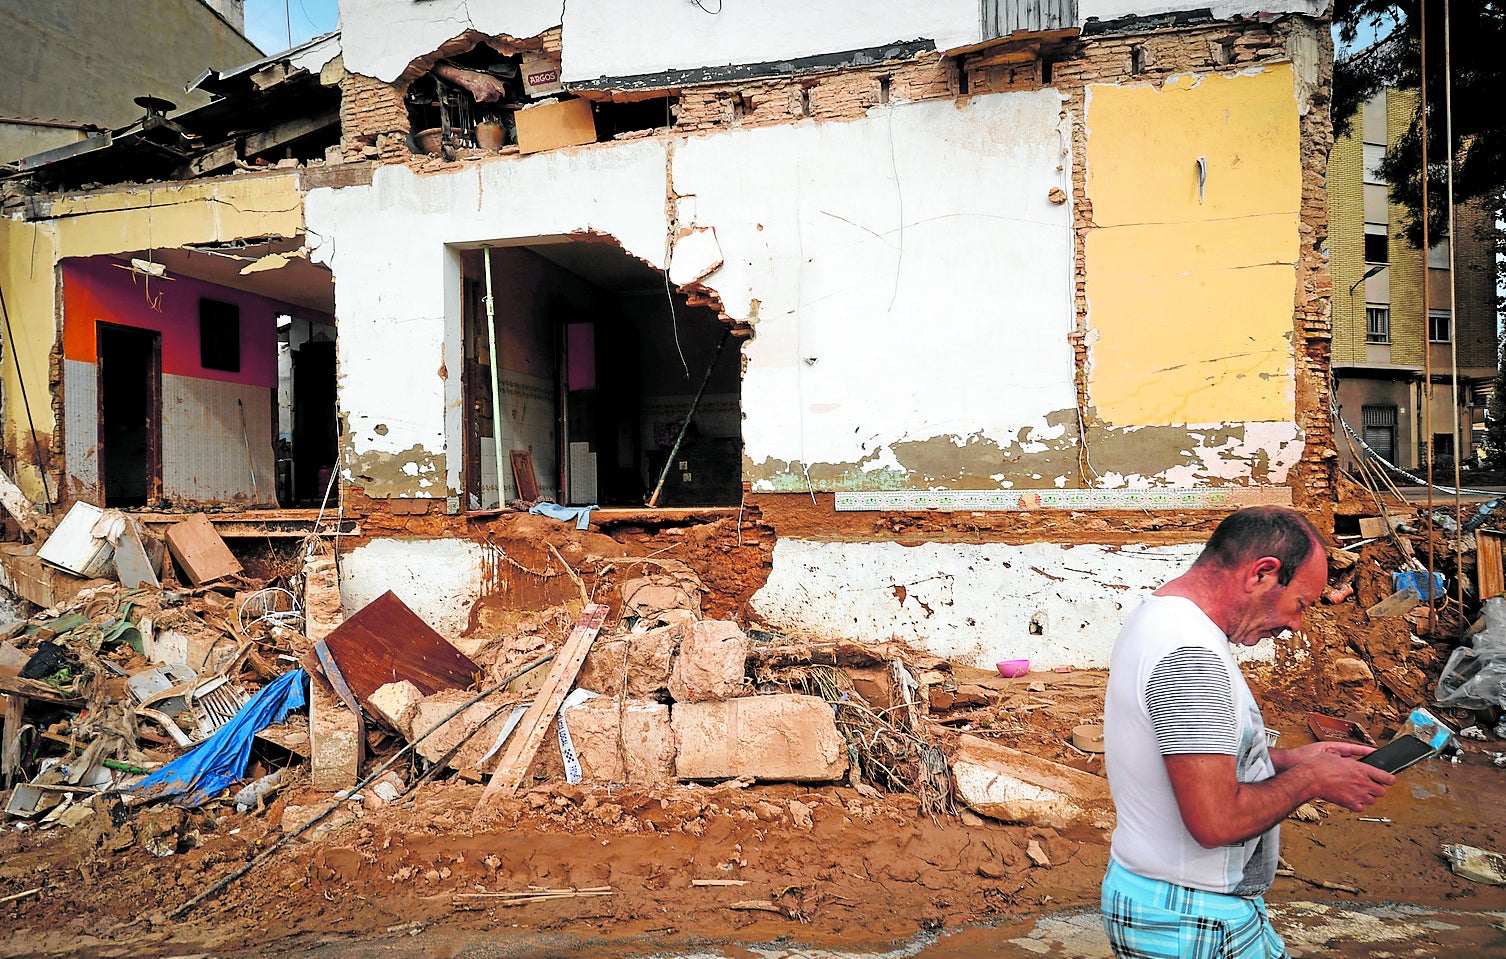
98	290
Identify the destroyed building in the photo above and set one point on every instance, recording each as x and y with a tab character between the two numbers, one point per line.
887	295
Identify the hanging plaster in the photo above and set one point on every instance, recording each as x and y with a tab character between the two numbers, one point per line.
379	38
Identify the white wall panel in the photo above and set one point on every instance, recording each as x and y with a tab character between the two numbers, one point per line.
203	449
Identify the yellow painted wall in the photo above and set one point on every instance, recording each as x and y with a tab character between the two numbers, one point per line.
1192	300
124	221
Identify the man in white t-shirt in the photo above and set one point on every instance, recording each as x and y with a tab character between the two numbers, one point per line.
1199	795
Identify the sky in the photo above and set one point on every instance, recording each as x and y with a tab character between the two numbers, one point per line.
268	21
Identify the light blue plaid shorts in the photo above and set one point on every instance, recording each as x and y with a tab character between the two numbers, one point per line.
1151	919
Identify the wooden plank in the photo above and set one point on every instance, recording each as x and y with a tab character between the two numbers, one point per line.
523	479
1488	555
31	689
10	737
526	739
1395	604
386	642
200	551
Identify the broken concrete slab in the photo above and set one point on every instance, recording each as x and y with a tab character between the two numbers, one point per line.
321	598
712	663
334	740
483	722
394	699
22	509
623	741
664	592
781	737
1012	786
637	665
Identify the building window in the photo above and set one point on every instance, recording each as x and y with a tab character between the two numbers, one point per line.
219	336
1379	430
1440	326
1374	154
1377	246
1377	324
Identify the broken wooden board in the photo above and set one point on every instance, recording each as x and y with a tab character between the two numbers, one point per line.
526	739
133	567
523	479
1374	526
1395	604
386	642
200	551
552	124
23	573
1488	558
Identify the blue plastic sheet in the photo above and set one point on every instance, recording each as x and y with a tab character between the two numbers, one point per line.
204	771
581	514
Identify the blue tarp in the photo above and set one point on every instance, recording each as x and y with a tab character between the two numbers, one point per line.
204	771
581	514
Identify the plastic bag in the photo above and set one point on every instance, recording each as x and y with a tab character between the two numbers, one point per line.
1475	676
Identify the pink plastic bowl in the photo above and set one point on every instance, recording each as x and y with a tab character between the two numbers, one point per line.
1011	668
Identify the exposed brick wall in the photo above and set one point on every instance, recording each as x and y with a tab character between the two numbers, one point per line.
1474	286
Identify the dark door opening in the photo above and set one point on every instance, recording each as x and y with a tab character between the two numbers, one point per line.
598	369
130	415
315	432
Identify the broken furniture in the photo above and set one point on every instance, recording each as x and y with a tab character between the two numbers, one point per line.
200	550
17	693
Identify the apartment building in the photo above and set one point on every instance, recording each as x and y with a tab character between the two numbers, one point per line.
1388	337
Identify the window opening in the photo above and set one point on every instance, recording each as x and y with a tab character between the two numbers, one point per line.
219	335
1377	245
591	382
1377	324
1440	326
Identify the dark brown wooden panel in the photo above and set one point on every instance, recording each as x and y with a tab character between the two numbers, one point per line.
386	642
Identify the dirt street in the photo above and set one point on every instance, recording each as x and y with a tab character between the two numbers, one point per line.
705	869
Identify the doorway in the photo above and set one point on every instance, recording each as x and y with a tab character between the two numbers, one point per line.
130	415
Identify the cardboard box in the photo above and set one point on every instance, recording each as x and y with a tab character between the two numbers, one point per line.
541	75
557	123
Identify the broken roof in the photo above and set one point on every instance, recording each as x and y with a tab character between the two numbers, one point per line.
257	108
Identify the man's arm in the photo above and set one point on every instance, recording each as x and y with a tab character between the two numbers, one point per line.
1219	810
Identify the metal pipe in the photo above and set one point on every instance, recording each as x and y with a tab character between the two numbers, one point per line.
694	404
496	364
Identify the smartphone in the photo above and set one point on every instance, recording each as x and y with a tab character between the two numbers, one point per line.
1399	753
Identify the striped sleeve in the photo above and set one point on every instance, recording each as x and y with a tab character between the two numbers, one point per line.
1191	704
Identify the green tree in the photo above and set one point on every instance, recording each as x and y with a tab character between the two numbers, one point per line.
1477	54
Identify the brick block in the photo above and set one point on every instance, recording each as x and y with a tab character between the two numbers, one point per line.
712	663
784	737
644	752
1012	786
646	659
321	598
334	740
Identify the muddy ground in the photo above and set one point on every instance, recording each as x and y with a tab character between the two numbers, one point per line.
703	869
825	867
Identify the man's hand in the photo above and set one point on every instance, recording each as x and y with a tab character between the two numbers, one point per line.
1218	810
1339	779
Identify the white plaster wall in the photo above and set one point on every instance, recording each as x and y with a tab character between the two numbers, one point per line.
610	38
1222	9
381	37
971	603
905	273
394	337
912	279
439	579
